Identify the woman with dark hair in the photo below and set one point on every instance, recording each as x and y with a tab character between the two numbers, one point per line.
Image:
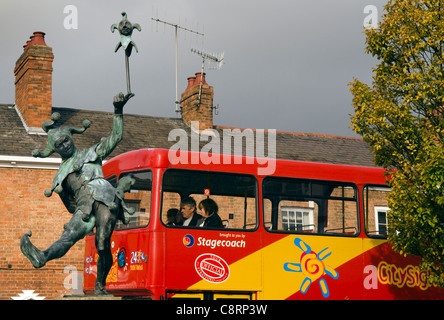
208	209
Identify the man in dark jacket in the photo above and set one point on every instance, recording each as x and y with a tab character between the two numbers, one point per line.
188	210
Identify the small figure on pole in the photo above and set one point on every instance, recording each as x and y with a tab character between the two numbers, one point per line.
126	28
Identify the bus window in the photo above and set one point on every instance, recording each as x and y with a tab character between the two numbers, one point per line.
235	195
139	198
293	205
375	210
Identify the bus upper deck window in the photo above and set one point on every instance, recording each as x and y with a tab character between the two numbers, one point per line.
139	198
294	205
375	208
234	194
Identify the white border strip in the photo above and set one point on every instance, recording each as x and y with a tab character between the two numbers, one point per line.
29	162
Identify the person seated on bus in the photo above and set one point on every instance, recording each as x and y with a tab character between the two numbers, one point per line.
208	209
174	217
189	214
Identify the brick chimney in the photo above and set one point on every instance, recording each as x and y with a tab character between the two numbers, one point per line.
33	83
194	109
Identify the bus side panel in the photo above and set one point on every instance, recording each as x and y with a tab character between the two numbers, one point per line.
389	275
90	265
134	266
320	267
213	260
309	265
131	256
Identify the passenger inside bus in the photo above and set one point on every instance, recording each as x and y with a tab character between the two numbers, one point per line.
188	210
209	210
174	217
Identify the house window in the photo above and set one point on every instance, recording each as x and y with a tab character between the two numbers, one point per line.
381	220
296	218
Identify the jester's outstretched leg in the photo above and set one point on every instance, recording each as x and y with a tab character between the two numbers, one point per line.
74	230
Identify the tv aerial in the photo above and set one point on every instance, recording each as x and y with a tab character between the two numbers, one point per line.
214	60
176	28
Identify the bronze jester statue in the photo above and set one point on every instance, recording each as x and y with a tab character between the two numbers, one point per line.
80	183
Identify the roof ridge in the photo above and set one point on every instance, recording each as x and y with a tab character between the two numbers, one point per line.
112	112
298	133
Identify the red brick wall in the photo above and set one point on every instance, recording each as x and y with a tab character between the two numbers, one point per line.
23	208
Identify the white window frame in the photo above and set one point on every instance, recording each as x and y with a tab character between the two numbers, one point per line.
305	212
377	210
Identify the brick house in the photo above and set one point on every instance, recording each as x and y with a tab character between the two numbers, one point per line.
24	178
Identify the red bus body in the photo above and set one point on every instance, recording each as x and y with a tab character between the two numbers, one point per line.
160	262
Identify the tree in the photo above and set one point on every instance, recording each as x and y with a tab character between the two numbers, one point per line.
401	117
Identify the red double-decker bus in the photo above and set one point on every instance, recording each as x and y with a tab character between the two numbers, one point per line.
307	231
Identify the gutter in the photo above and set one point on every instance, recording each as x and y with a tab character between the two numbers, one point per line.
29	162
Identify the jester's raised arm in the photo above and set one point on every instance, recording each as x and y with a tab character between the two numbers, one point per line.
107	145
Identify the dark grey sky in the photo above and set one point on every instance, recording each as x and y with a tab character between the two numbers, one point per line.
288	62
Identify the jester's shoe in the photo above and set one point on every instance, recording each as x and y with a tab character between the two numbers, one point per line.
99	289
34	255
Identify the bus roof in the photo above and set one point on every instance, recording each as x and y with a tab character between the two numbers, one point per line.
164	158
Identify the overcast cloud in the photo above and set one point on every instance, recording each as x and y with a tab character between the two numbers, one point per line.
287	63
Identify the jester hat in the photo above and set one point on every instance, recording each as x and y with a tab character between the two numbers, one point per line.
55	131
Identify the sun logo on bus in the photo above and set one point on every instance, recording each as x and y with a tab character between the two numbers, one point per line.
313	267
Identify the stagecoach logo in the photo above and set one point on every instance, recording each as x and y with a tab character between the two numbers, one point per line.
188	240
212	268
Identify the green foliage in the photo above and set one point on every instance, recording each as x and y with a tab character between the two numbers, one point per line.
401	117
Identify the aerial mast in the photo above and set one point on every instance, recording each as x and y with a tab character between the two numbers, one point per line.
176	28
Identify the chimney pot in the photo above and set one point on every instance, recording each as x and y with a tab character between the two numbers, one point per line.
199	76
38	38
191	81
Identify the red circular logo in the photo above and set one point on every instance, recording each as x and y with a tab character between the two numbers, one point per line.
212	268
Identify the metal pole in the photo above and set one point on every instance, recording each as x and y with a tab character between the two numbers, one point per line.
128	84
177	99
200	85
